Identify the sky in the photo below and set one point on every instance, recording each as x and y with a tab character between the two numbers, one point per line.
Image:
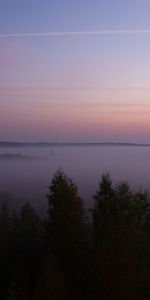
75	70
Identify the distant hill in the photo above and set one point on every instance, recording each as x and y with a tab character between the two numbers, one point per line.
18	156
70	144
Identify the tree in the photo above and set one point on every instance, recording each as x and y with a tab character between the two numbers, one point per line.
120	261
67	229
5	249
51	284
66	213
104	208
28	242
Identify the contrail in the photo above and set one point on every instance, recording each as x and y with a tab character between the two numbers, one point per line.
77	33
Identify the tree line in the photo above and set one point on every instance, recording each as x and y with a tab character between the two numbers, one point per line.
69	256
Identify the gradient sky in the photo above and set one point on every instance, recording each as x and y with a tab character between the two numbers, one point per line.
75	87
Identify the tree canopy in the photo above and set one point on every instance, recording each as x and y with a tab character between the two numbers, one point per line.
70	255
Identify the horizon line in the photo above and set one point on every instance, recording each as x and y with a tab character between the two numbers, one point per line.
77	33
74	143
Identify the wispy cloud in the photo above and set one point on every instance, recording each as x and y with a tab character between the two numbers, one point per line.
76	33
14	89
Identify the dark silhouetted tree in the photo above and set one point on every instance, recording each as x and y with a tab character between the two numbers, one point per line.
67	228
104	208
51	284
28	243
5	250
119	265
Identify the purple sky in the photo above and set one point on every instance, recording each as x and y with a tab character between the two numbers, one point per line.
75	70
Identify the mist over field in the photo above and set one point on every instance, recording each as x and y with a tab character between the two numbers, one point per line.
26	171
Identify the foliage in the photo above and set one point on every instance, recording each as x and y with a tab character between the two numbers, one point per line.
120	257
66	214
67	228
55	259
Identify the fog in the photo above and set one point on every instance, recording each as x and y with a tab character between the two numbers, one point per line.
26	172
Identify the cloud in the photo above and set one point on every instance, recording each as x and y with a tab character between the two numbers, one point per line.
13	89
76	33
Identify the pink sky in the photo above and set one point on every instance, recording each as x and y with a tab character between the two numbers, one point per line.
64	95
56	114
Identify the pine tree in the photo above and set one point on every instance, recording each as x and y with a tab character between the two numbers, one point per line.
67	229
104	208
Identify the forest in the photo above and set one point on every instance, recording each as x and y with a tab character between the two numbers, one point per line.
72	253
